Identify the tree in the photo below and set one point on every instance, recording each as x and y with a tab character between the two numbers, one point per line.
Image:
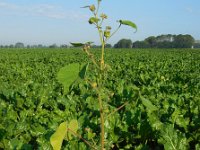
165	38
63	46
19	45
11	46
96	46
40	46
164	44
53	46
124	43
140	44
151	41
166	41
196	45
183	41
108	46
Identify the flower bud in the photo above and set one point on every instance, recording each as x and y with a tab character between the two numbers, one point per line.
104	16
92	8
94	85
107	33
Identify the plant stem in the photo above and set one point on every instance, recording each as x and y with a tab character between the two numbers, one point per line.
102	122
101	35
102	55
117	109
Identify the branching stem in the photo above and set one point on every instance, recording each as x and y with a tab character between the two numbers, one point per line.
117	109
80	137
113	33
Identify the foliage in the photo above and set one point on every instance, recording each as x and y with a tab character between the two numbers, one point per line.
166	41
58	137
67	75
19	45
173	140
33	104
183	41
141	44
123	43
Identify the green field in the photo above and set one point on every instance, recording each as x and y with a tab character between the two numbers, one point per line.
162	88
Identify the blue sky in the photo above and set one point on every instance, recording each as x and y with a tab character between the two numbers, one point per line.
63	21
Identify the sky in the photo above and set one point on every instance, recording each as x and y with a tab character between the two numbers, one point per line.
63	21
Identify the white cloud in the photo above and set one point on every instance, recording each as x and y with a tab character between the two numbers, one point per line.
41	10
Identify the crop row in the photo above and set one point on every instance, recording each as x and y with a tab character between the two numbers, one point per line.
161	90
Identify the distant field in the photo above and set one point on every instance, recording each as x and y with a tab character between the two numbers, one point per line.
32	103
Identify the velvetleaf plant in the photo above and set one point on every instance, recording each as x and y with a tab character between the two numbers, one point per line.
68	74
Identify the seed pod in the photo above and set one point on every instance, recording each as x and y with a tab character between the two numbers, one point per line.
107	33
108	28
92	8
93	20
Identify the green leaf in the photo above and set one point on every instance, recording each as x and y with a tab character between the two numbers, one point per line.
15	144
197	147
72	129
90	134
77	44
67	75
85	6
81	44
128	23
83	71
179	119
148	104
57	138
154	121
172	140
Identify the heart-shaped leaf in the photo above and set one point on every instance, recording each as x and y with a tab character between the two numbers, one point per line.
72	129
58	137
67	75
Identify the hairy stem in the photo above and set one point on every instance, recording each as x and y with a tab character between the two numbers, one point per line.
102	122
101	110
98	26
102	55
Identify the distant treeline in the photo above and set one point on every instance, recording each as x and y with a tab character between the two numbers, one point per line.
161	41
21	45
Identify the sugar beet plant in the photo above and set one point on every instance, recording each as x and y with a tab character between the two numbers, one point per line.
93	75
